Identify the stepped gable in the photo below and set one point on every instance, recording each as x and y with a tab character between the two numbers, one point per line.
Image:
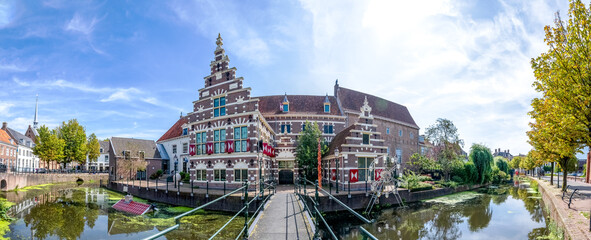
300	104
339	139
175	131
353	100
134	146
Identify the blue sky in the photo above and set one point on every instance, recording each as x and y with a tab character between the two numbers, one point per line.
128	68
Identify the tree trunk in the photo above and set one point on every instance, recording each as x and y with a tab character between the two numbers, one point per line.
563	164
552	174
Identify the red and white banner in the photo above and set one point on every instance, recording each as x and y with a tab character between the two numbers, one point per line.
333	174
192	149
209	147
354	175
378	174
265	148
230	146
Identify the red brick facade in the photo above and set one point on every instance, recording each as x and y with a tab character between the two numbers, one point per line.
7	150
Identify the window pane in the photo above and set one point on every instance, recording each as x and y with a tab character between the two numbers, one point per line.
365	138
216	174
223	173
198	150
223	135
282	128
198	137
244	175
243	146
361	162
223	101
330	129
217	147
216	135
361	174
216	112
204	136
222	147
216	102
223	111
285	107
244	132
237	146
288	128
327	108
237	133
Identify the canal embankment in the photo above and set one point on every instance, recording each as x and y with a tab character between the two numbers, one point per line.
575	225
11	181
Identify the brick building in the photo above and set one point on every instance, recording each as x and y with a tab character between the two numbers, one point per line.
8	147
123	151
234	137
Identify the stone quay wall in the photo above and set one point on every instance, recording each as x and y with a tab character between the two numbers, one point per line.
10	181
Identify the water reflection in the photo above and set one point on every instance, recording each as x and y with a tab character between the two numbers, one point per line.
507	212
69	212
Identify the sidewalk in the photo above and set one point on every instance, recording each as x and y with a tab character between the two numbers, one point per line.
582	200
576	226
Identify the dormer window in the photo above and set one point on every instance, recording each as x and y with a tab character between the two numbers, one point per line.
101	150
185	131
326	104
285	104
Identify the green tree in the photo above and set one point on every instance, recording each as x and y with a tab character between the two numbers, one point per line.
307	150
48	146
563	115
420	163
74	137
93	148
483	160
502	164
514	163
447	145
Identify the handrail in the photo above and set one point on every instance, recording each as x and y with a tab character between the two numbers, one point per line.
366	233
326	224
345	206
228	222
178	217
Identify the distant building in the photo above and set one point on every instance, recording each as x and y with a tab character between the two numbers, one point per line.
26	161
504	154
175	143
125	150
102	162
234	137
8	151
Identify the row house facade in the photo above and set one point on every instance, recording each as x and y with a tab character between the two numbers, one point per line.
8	151
123	152
234	137
26	161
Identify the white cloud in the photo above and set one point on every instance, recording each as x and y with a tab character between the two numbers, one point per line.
12	68
437	58
81	25
122	94
4	108
7	12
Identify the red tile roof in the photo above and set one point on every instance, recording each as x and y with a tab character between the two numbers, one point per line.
4	137
175	131
132	207
353	100
298	104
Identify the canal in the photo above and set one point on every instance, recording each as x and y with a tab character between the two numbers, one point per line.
72	211
497	212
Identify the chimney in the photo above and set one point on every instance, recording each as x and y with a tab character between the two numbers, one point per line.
4	125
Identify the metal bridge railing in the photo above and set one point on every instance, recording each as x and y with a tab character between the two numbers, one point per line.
318	214
244	210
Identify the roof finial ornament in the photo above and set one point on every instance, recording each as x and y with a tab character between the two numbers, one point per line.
219	41
365	109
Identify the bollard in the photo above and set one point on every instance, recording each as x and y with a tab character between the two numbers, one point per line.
224	188
191	188
156	185
305	182
349	188
147	183
207	189
330	187
166	185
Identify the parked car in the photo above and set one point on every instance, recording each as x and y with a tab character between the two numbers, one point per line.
41	170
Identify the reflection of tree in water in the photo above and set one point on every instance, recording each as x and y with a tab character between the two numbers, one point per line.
64	217
537	233
531	203
478	213
445	224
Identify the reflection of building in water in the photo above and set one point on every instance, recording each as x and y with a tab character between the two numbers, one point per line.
97	196
22	208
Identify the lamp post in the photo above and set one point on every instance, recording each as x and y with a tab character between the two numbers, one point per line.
176	163
337	154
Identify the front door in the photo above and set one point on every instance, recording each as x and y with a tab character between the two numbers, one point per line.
285	177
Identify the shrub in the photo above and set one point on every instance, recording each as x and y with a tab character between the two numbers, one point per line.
184	175
423	178
458	170
471	172
157	174
457	179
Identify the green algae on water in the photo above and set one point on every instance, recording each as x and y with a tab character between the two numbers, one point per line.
455	198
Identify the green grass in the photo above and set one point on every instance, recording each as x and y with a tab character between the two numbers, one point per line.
585	214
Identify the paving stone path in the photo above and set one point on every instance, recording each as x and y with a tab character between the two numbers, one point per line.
283	218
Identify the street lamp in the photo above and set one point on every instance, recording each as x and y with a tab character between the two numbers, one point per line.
176	163
336	153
